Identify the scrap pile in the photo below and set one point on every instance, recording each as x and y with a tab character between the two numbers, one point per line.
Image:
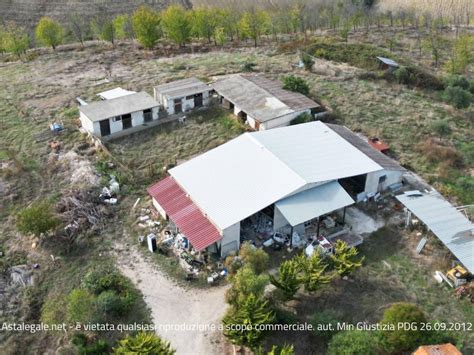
79	210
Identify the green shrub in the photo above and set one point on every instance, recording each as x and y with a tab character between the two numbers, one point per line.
403	339
255	258
458	81
467	150
322	318
37	219
402	75
308	62
103	278
86	346
441	127
303	118
296	84
109	303
353	342
245	282
81	306
457	97
249	67
143	343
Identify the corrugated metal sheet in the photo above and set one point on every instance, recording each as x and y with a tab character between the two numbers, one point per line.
378	157
184	213
446	222
261	98
388	61
181	88
100	110
314	202
235	180
315	152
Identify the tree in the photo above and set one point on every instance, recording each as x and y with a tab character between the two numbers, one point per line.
296	84
288	279
244	283
220	36
345	259
403	339
461	55
352	342
123	27
37	219
457	97
314	271
402	75
79	26
345	30
143	343
243	324
254	24
204	22
49	32
15	39
146	25
282	350
103	26
441	127
176	24
254	257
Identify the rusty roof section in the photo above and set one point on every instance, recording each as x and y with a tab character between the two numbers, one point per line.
294	100
443	349
184	213
380	158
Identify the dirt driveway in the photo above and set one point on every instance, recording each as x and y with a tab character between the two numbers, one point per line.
171	304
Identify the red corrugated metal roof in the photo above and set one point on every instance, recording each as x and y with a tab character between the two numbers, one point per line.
184	213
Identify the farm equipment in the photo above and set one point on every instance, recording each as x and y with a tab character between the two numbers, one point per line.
458	275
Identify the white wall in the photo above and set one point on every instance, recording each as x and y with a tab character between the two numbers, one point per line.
282	121
86	123
372	183
187	105
279	220
160	209
230	239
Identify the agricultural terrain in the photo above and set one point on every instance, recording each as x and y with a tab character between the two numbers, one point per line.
43	89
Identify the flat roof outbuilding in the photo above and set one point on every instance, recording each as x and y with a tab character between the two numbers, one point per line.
182	88
100	110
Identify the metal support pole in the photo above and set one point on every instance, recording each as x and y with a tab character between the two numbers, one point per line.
317	233
344	216
291	237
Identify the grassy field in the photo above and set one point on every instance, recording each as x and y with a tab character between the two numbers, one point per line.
43	90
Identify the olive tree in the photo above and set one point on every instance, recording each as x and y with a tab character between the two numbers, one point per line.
49	32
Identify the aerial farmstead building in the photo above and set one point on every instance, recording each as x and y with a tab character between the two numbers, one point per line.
182	95
124	113
300	172
262	103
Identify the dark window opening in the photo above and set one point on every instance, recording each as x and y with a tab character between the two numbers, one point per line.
127	121
147	115
198	100
382	179
104	127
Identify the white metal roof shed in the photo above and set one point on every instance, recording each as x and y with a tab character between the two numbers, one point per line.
314	202
235	180
315	152
446	222
114	93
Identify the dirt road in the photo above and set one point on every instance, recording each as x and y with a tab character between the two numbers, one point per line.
171	304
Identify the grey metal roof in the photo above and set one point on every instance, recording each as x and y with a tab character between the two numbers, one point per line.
446	222
100	110
261	98
314	202
181	88
388	61
315	152
380	158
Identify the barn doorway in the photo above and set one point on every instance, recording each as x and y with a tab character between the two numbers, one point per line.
127	121
354	185
198	100
243	116
147	115
104	128
178	107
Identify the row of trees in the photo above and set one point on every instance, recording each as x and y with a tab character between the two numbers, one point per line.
219	25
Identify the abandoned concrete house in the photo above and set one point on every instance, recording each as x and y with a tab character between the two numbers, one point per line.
120	115
260	102
294	175
182	95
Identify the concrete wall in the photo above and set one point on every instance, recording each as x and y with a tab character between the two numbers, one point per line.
230	239
187	105
372	183
116	127
282	121
279	220
160	209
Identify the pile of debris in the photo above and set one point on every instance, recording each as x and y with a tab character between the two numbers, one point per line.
109	194
78	169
